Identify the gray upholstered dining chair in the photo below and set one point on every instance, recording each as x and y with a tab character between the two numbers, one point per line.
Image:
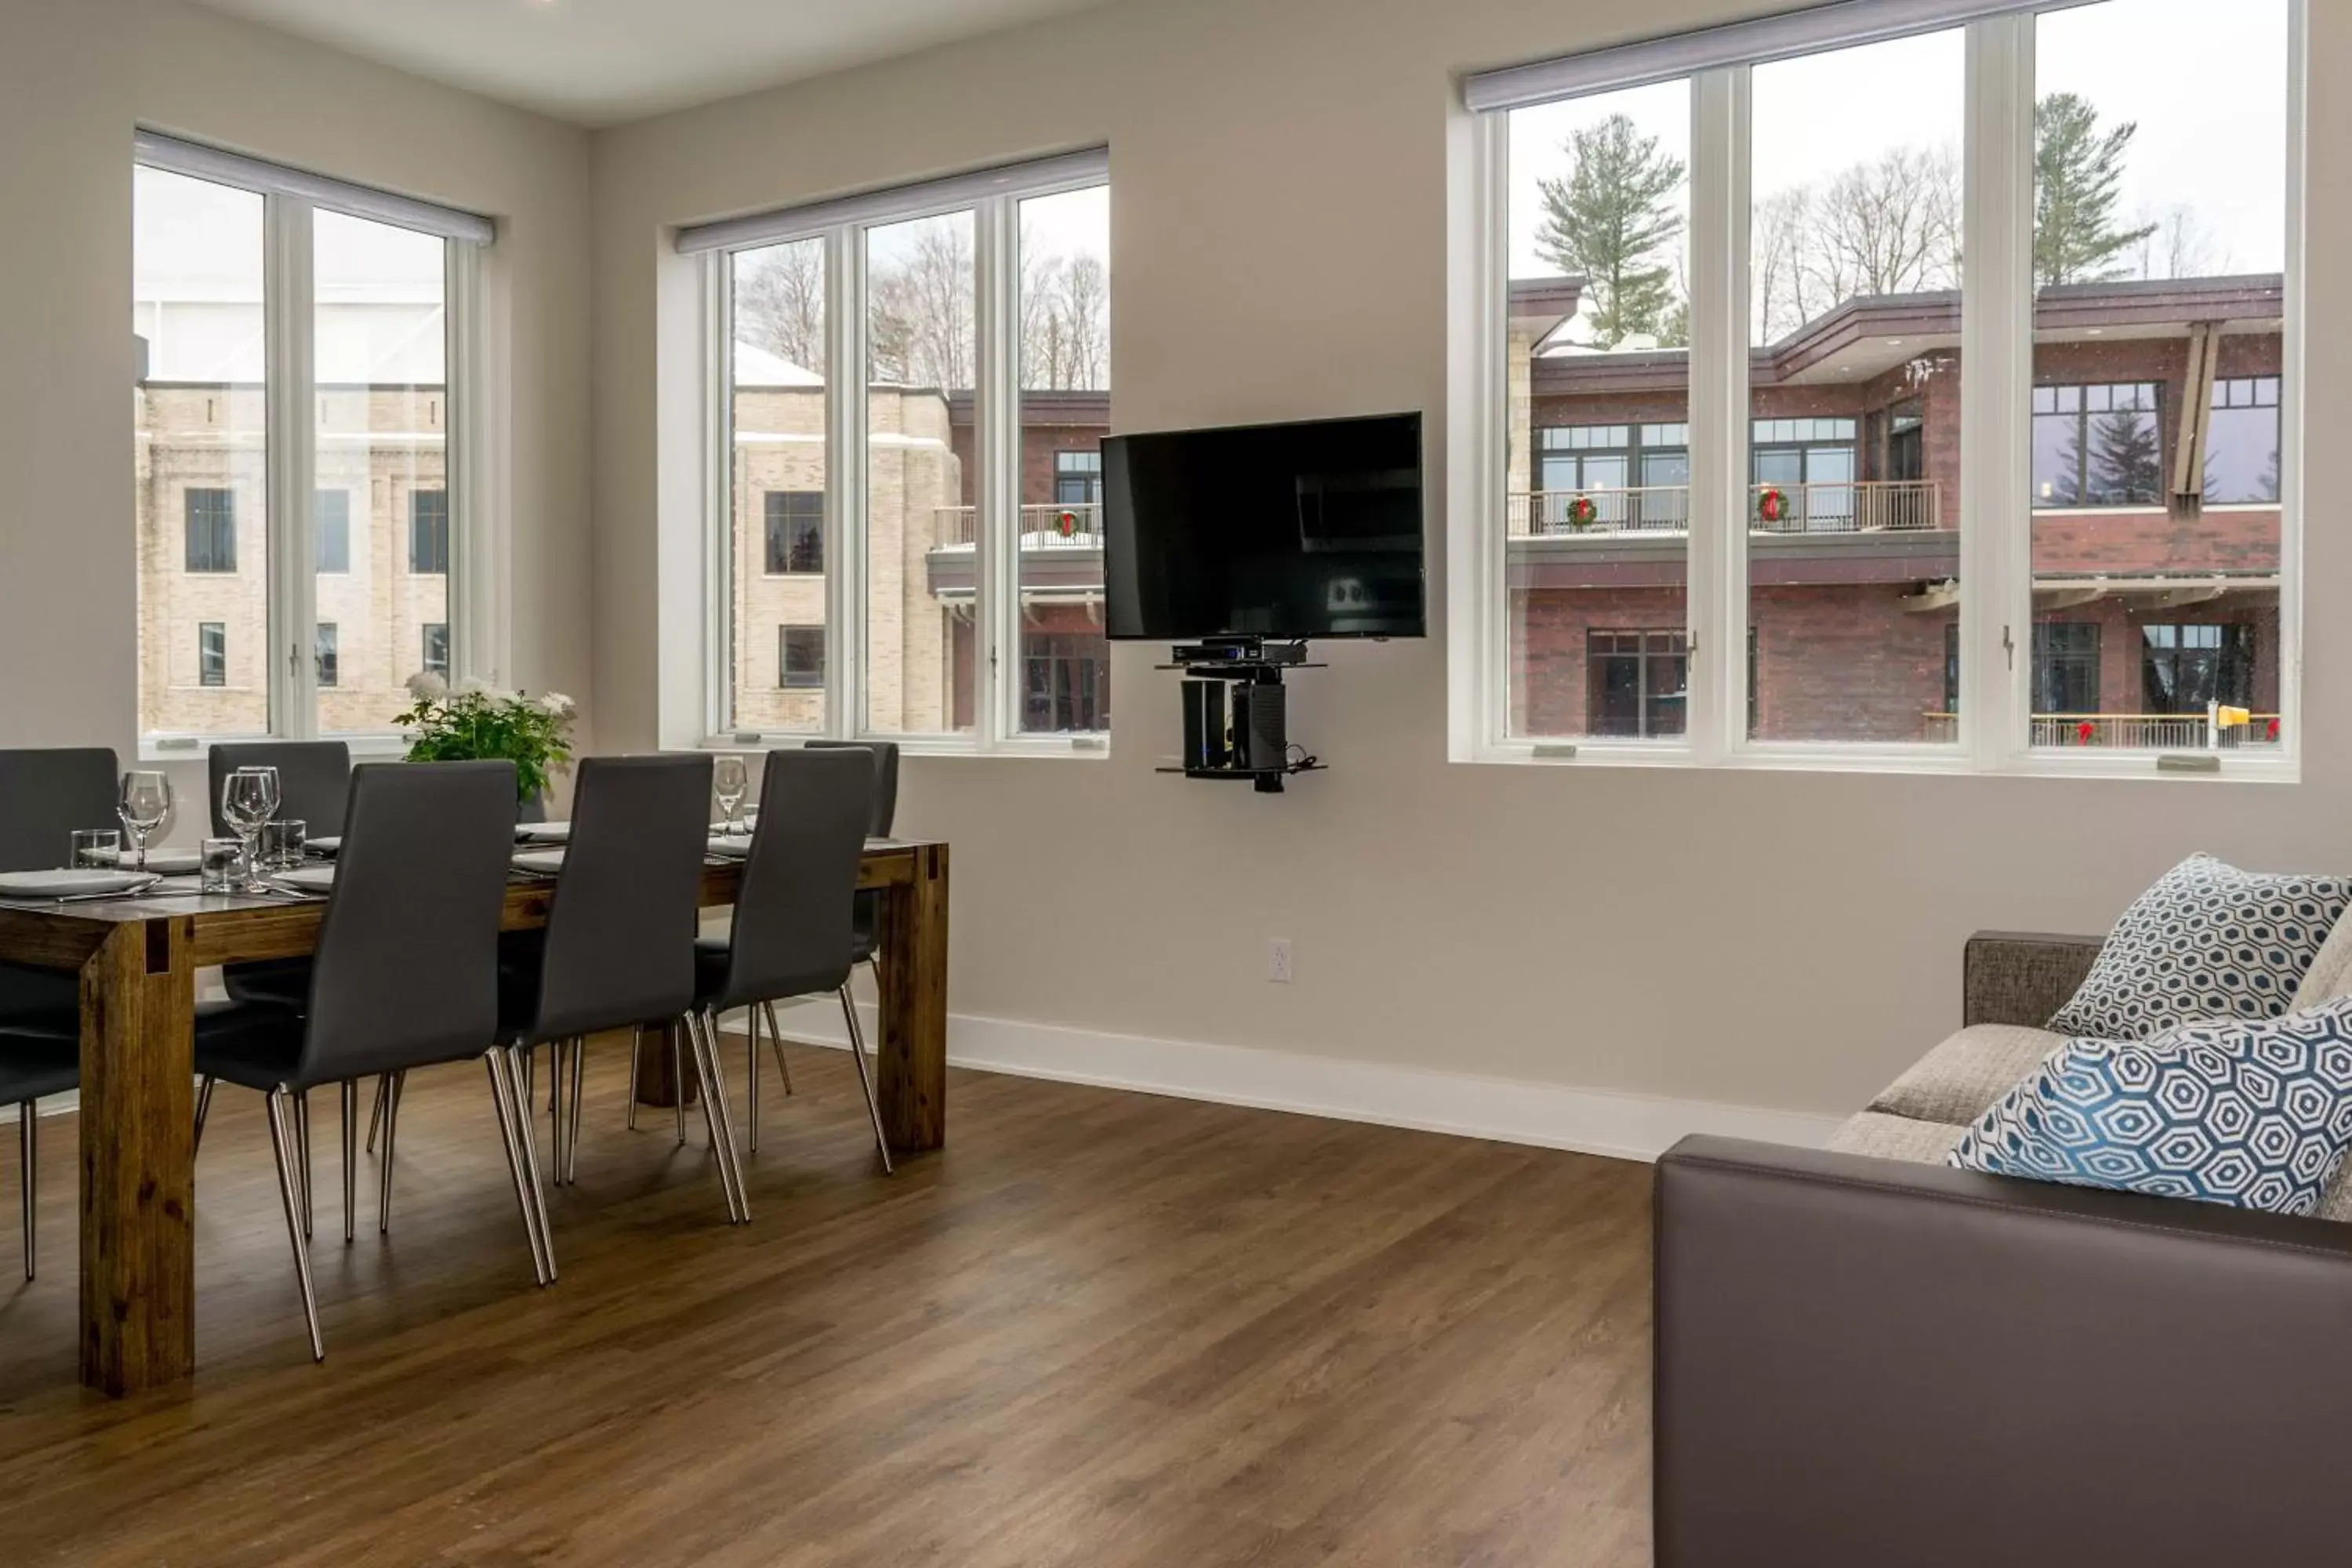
35	1063
866	921
794	926
618	949
405	975
46	793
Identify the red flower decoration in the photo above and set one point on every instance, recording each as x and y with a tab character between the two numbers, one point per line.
2086	730
2273	729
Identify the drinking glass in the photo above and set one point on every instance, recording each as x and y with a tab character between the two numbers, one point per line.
94	848
248	799
282	843
144	806
220	865
731	779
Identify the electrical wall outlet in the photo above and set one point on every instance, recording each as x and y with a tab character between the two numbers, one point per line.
1277	961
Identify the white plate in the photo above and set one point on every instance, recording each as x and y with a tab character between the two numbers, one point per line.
162	862
731	846
544	833
86	882
324	846
538	859
309	879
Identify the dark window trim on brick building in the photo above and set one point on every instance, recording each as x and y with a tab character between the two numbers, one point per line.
795	532
211	522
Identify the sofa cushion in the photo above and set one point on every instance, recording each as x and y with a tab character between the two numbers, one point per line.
2330	974
1885	1137
1959	1079
2251	1114
2208	941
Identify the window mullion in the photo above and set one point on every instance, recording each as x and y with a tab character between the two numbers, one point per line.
996	632
292	422
2292	363
1715	597
1997	348
845	490
481	559
721	654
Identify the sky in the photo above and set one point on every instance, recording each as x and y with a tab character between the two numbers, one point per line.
2205	81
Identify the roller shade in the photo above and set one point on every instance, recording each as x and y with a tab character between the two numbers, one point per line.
1037	175
203	163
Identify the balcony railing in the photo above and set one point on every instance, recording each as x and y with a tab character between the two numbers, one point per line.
1042	527
1857	506
2133	732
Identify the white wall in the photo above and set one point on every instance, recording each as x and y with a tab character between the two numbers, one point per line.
74	79
1279	187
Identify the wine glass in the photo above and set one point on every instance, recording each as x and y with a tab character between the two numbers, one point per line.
145	804
248	799
731	779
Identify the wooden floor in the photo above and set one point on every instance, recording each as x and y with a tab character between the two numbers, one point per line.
1100	1329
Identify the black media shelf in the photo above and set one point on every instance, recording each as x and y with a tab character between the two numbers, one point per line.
1277	775
1255	681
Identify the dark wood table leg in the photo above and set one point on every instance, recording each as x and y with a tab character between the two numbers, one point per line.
654	1083
138	1160
914	1044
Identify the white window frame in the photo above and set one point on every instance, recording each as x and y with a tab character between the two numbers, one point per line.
1996	611
478	622
993	197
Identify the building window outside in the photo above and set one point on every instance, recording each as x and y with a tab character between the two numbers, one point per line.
1639	682
331	532
436	651
2098	446
2066	666
212	653
325	655
795	532
2184	668
1788	452
1077	479
1637	476
211	529
800	657
429	532
2241	447
1065	682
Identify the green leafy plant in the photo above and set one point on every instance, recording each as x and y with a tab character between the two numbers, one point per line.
475	723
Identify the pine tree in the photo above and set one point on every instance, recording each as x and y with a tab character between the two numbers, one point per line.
1609	222
2078	173
2126	459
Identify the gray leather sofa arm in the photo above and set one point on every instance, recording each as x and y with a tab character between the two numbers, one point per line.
2020	978
1861	1362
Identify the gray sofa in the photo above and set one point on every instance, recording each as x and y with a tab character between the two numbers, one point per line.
1865	1358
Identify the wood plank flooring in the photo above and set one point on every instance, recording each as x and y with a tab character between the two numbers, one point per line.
1100	1329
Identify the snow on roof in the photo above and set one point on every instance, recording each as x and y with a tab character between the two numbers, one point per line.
755	366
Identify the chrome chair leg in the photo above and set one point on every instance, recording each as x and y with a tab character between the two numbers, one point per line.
302	1144
751	1071
572	1126
203	1107
350	1097
281	1138
391	1138
858	1054
29	1159
502	1098
677	1077
376	1116
715	1114
555	1111
636	1048
776	1043
523	1119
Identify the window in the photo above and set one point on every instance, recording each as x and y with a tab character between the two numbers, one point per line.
332	521
1716	343
1065	682
212	653
429	532
2185	668
800	657
241	359
434	658
2242	443
2097	445
795	532
1077	479
325	650
909	589
212	530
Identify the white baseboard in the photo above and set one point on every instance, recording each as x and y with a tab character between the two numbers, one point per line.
1553	1116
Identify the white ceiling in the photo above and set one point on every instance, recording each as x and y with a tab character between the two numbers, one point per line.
599	62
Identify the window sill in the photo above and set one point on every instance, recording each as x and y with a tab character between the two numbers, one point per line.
1942	760
1081	748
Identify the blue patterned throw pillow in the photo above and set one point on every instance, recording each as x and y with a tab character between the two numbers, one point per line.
2253	1114
2208	941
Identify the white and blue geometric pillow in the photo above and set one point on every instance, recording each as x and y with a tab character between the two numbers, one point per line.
2253	1114
2208	941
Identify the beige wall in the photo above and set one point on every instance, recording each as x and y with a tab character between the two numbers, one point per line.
1279	214
75	80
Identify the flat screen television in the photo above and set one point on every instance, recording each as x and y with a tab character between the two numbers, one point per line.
1281	531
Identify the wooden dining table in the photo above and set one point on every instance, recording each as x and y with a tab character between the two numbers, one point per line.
138	959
